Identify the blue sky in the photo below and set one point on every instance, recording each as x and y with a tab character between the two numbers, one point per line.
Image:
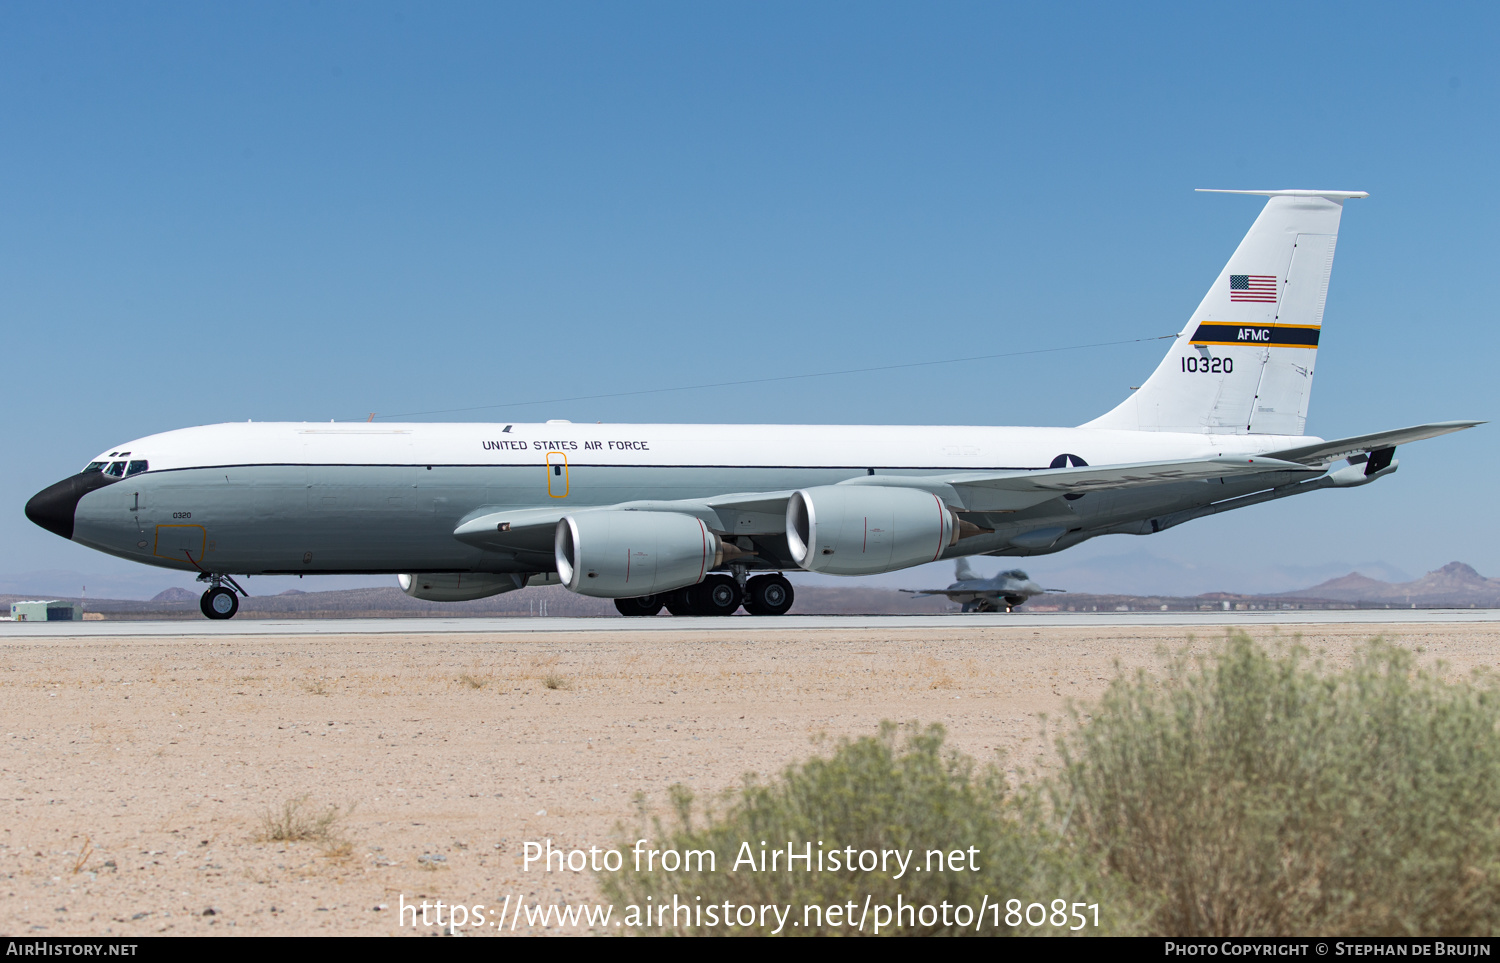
313	211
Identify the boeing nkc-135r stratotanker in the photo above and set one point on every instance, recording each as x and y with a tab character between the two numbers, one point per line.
702	519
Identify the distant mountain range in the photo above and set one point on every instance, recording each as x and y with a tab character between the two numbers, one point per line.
1454	584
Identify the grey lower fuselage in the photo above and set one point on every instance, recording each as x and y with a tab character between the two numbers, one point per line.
265	519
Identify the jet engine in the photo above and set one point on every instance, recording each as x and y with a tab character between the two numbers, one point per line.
867	529
457	586
625	554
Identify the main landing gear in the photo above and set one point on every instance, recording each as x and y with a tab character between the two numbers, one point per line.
769	595
642	605
219	602
717	595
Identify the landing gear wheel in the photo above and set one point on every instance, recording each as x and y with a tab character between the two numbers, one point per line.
717	595
644	605
679	602
769	595
219	603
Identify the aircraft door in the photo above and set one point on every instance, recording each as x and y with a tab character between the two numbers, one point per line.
557	474
181	543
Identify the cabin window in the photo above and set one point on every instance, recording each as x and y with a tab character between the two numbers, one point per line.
116	468
136	467
96	466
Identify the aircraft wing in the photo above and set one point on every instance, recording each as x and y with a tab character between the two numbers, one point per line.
1328	452
1009	491
1114	477
531	530
982	591
950	592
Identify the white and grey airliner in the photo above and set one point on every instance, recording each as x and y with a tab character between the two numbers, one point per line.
702	519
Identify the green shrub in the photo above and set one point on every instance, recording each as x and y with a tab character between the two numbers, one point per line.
1251	794
1244	793
897	791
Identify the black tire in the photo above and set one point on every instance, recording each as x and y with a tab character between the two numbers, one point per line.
717	595
644	605
769	595
219	603
679	602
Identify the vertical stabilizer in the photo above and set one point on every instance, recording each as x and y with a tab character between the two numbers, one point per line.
1244	363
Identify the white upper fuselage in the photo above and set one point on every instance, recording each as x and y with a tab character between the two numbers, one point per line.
907	447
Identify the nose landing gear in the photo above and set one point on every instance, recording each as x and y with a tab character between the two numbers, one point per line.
219	602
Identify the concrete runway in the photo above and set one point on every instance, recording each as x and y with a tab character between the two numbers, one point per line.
740	623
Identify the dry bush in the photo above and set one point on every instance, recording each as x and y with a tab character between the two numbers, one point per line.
84	852
298	821
473	681
1244	793
899	790
554	681
1249	793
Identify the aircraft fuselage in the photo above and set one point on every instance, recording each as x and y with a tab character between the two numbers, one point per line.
278	498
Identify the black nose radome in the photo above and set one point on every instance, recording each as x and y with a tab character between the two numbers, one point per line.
53	506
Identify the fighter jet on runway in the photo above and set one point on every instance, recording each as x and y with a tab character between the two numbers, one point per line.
702	519
1007	589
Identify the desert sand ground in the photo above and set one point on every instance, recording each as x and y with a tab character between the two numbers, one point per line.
137	773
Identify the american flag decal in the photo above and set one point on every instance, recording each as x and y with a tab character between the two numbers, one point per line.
1252	287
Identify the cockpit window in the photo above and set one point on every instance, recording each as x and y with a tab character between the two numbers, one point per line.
116	468
136	467
96	466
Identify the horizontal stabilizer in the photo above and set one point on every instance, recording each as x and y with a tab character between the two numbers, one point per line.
1328	452
1331	195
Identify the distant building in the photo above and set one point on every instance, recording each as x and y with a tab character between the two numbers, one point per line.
52	611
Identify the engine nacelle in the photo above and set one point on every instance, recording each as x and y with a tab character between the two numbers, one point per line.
457	587
622	554
867	529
